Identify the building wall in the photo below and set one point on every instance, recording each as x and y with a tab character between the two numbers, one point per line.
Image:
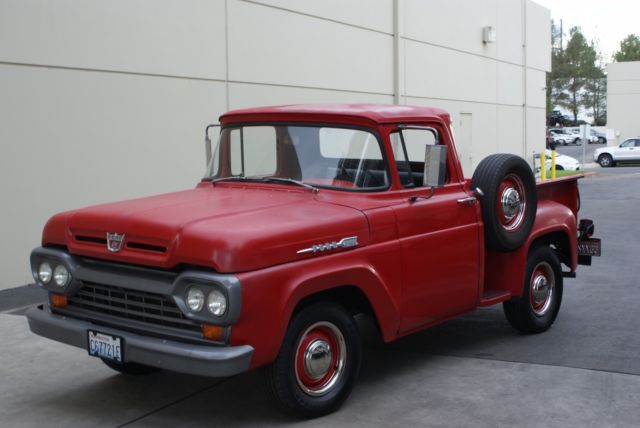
623	99
102	101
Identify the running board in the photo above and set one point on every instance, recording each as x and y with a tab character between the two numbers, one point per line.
492	297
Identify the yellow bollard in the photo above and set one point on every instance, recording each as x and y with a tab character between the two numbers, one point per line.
543	167
553	164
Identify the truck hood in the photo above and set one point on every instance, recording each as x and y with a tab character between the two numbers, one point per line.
229	228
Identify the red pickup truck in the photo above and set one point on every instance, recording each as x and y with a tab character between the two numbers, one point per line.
307	216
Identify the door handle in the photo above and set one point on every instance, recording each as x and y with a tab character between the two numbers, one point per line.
467	201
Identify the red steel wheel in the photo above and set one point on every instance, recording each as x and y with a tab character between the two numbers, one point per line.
541	288
508	200
537	308
320	358
318	362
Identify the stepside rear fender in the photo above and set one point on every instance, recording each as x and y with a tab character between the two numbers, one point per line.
505	271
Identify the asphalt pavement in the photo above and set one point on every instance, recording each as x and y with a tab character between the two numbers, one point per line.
474	371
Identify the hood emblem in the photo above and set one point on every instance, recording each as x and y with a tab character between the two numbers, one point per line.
115	241
349	242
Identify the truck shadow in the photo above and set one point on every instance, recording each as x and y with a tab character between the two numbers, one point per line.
171	399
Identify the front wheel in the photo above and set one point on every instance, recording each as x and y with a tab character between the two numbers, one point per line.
605	160
537	308
318	362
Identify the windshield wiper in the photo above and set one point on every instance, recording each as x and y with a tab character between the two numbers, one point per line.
290	181
231	178
266	180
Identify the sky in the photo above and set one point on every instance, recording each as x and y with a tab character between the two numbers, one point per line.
606	21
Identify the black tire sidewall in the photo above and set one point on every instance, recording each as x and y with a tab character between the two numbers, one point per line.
488	176
289	396
607	156
519	312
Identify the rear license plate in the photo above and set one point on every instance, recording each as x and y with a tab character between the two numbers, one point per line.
105	345
589	247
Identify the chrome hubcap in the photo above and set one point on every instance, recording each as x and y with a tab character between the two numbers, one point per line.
510	203
317	359
320	359
542	288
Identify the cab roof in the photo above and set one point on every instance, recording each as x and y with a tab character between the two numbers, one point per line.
378	113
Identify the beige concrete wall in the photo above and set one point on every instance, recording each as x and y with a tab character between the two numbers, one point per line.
108	100
623	99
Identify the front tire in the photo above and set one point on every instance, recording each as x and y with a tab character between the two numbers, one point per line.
605	160
537	308
318	362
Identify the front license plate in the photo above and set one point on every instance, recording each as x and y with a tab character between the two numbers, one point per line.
105	345
589	247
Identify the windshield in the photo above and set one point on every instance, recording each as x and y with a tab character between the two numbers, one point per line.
330	157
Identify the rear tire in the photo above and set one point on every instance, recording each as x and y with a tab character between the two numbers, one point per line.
537	308
132	369
318	361
510	200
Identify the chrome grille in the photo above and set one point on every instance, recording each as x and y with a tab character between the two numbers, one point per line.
124	303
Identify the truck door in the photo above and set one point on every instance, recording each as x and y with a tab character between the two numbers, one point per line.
439	237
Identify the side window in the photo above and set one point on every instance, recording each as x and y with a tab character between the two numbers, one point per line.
253	151
637	143
409	148
416	140
628	143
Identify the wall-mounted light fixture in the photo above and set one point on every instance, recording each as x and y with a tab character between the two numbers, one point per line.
488	34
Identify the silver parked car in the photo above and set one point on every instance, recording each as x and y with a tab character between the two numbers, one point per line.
627	151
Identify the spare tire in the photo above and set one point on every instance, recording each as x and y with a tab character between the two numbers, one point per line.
509	202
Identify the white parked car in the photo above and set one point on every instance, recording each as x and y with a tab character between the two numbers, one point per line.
577	140
627	151
561	136
563	162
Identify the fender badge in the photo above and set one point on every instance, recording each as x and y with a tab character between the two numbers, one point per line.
115	241
349	242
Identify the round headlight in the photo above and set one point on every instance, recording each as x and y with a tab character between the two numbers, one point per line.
45	272
61	276
217	303
195	299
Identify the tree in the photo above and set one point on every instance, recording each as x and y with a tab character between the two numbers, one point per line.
576	65
594	98
629	49
554	89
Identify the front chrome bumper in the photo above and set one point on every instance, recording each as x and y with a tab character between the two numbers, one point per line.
202	360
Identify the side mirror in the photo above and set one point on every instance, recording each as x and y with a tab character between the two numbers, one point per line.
435	165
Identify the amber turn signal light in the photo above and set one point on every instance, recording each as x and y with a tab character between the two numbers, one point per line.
58	300
213	332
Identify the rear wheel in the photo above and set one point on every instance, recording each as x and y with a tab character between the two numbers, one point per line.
605	160
318	362
537	308
133	369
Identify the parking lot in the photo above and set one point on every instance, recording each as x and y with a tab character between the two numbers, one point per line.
473	371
